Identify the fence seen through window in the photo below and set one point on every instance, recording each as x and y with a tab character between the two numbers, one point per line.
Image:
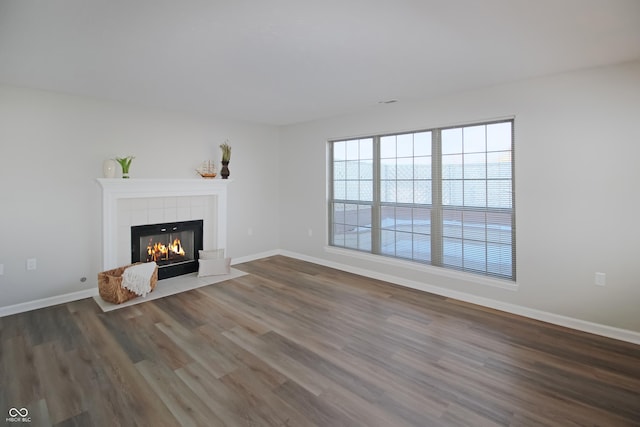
441	196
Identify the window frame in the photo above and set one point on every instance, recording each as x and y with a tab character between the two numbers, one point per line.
436	206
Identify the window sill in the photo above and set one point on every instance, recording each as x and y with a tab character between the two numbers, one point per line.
453	274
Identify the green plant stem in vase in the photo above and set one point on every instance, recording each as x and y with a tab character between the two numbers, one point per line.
125	163
226	157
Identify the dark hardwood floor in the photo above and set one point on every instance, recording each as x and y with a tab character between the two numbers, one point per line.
296	344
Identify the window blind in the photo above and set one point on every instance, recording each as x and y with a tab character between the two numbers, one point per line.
441	196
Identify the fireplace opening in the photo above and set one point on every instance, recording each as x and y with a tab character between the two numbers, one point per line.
173	246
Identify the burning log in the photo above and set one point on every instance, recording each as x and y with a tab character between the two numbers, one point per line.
165	252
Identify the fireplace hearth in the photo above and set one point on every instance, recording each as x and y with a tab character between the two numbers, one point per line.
173	246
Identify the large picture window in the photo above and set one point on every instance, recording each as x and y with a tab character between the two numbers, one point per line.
441	196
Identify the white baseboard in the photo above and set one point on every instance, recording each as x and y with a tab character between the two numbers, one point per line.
556	319
255	256
89	293
47	302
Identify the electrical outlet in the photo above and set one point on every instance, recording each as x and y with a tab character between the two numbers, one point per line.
310	232
250	231
31	264
600	279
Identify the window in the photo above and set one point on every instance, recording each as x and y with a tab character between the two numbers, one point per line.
442	197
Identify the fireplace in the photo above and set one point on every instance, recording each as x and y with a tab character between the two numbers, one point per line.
173	246
134	202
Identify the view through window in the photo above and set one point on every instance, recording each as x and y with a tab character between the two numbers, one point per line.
441	196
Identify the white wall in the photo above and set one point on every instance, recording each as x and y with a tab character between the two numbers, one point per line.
51	150
577	198
577	151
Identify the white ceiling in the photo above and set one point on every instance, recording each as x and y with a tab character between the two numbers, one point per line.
287	61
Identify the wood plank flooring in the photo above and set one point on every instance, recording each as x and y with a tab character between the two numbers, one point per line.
297	344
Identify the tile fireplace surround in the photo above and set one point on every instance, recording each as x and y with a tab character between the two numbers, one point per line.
128	202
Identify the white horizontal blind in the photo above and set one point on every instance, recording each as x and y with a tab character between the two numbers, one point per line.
405	196
477	198
440	196
352	189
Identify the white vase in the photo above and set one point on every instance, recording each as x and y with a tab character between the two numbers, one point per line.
109	168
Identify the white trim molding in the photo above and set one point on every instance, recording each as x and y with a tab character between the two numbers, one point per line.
531	313
424	268
556	319
254	257
92	293
47	302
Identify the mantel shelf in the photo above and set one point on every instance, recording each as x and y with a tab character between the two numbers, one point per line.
135	184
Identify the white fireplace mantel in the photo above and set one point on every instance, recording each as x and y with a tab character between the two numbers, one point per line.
117	189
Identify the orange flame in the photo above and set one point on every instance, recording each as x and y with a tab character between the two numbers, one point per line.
160	251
